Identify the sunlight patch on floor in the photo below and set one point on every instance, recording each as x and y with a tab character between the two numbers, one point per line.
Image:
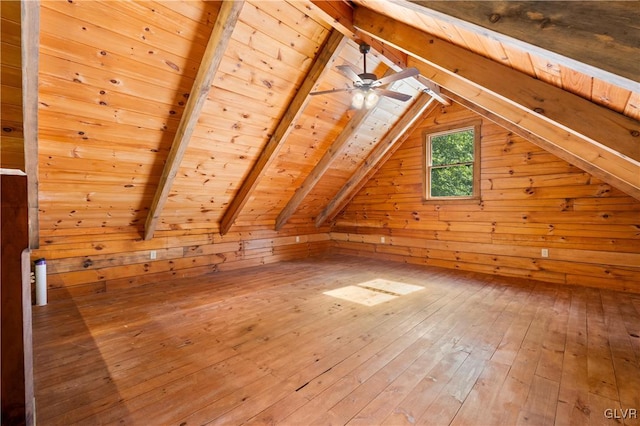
373	292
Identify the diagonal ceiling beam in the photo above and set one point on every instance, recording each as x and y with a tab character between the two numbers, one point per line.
326	56
30	43
218	41
323	165
583	133
424	105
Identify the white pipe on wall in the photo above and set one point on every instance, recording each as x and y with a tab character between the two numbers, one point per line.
41	282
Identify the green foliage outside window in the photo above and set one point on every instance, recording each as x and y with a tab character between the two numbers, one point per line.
451	170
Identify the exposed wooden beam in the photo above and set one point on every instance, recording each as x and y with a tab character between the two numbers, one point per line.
339	14
424	105
218	41
322	166
328	53
591	136
596	38
30	44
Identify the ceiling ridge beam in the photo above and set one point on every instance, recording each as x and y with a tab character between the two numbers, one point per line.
216	46
328	53
423	106
29	45
587	135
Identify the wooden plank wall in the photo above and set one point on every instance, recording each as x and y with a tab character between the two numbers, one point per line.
100	260
12	147
530	200
111	100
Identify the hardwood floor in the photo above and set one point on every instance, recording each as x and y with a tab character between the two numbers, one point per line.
266	346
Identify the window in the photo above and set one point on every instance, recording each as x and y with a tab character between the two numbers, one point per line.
452	163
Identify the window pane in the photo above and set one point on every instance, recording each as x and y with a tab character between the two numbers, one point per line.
452	148
453	181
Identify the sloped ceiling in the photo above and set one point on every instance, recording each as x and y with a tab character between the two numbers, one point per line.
116	92
544	110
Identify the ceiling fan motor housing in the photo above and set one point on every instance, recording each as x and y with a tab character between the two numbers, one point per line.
366	84
367	78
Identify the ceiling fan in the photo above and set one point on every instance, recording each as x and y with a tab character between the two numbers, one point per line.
366	86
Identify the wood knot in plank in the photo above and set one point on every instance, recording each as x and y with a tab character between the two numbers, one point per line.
172	65
545	23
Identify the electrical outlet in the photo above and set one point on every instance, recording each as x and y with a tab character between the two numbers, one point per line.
382	240
544	252
152	254
297	239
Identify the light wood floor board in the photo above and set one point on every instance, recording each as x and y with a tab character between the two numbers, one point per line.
265	346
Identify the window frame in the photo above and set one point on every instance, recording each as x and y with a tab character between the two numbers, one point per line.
476	125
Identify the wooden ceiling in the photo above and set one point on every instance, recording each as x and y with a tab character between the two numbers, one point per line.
176	115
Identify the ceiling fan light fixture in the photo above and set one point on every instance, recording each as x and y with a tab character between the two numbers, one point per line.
364	98
371	99
358	98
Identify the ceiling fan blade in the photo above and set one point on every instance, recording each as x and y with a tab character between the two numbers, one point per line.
324	92
395	95
350	72
405	73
